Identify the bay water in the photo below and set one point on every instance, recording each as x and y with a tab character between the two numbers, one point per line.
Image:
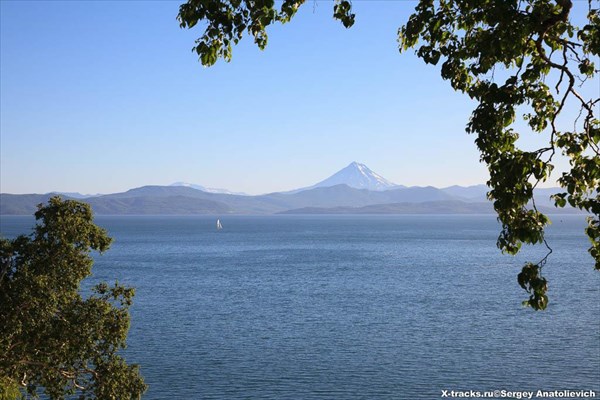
347	307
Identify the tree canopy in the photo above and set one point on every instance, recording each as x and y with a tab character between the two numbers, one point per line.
545	57
52	340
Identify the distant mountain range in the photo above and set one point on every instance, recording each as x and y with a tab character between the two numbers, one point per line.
205	189
355	189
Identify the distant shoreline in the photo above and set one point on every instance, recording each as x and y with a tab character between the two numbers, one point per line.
338	199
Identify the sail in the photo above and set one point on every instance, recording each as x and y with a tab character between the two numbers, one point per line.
219	226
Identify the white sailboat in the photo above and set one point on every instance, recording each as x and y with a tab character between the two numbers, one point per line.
219	226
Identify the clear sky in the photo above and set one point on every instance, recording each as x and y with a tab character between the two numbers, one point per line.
106	96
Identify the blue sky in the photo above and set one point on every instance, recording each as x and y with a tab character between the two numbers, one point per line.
106	96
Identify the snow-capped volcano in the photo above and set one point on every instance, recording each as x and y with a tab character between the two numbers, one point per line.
358	176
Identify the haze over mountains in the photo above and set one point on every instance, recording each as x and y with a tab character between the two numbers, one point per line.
205	189
353	190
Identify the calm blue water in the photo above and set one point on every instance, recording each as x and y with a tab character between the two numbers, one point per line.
347	307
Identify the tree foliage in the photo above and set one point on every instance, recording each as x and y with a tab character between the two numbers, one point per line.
543	59
51	338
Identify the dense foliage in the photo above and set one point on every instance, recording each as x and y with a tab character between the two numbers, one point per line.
51	339
545	57
542	59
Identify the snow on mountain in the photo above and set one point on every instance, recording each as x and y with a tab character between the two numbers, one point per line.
358	176
190	185
77	195
207	190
